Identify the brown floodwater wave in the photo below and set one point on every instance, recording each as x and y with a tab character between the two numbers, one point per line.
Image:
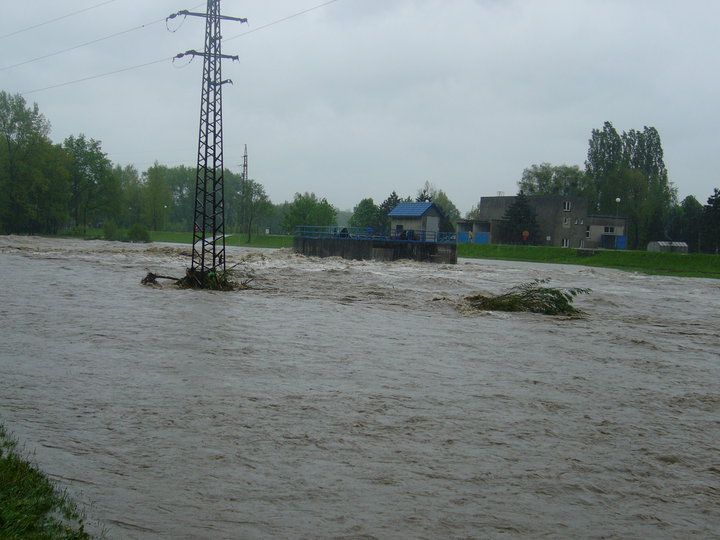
353	399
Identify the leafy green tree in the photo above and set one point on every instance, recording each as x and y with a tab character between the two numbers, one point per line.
157	199
710	235
429	193
685	222
368	215
519	224
450	211
34	181
131	198
95	190
616	165
254	207
307	209
391	202
181	181
547	179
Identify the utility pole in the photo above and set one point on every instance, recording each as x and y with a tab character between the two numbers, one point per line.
244	190
245	166
208	254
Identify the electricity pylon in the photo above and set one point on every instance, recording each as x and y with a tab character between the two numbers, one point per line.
208	254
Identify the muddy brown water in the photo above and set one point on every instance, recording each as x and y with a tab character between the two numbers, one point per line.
353	399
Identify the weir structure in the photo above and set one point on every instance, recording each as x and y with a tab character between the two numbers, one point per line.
208	253
365	244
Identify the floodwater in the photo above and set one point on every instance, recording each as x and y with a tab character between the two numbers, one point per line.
353	399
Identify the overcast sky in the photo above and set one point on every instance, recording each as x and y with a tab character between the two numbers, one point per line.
362	97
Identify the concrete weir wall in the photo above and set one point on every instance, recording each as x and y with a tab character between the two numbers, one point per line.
380	250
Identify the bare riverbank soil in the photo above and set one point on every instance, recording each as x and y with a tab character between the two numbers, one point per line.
354	399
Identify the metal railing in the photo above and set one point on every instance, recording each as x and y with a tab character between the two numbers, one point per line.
367	233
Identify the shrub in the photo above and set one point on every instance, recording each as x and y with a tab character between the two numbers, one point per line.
111	231
138	233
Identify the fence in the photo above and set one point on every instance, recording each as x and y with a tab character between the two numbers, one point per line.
362	233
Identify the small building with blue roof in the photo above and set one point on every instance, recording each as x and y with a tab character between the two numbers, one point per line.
415	218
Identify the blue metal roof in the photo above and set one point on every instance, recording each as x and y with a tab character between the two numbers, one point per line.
411	209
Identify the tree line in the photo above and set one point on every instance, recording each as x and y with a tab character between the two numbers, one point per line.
48	188
625	175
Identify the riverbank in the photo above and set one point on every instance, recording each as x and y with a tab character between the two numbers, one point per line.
660	264
30	505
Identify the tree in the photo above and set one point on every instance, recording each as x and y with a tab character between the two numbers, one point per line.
429	193
710	235
685	222
368	215
391	202
254	205
95	190
616	166
306	209
34	181
547	179
519	224
157	200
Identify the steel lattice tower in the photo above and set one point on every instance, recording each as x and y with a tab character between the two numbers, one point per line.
209	219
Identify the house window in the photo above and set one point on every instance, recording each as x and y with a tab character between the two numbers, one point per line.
587	231
609	230
567	206
566	221
582	221
565	242
582	243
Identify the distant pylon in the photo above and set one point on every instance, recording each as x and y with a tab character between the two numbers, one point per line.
244	192
245	165
208	252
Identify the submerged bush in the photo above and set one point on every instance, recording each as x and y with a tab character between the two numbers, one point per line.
138	233
534	297
111	231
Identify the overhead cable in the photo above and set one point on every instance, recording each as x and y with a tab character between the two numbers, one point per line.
85	44
138	66
56	19
98	76
303	12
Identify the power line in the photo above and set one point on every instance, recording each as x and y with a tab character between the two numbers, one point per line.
282	20
97	76
56	19
49	55
85	44
138	66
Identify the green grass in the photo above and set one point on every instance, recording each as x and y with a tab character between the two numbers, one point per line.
232	239
667	264
30	505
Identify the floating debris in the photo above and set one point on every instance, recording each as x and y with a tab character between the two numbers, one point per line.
211	280
534	297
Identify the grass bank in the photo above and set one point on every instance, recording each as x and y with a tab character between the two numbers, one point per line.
666	264
231	239
30	506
